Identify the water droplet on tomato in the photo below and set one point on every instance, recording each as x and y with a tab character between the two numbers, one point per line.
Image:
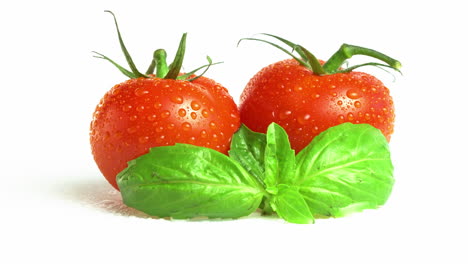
357	104
177	99
298	88
140	108
193	115
214	137
132	130
195	105
212	125
157	105
340	102
367	116
165	114
303	119
143	139
285	114
203	134
182	112
133	117
205	113
127	107
171	126
186	126
152	117
341	118
141	91
159	129
353	94
160	139
115	91
192	140
350	116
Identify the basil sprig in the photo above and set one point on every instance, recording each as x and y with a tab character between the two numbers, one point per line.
345	169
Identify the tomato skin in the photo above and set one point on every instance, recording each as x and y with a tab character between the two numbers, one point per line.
305	104
147	112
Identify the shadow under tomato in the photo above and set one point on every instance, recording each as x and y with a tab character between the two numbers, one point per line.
100	195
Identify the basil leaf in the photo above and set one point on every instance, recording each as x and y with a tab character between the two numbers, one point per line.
185	181
345	169
291	206
279	157
248	148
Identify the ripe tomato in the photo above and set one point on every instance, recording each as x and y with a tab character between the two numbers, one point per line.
306	96
158	109
146	112
305	104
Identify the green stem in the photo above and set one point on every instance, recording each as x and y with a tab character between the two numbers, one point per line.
152	65
347	51
160	56
265	206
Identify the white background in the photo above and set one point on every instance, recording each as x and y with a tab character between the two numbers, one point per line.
57	208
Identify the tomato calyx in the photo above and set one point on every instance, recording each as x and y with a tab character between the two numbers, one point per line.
334	63
158	63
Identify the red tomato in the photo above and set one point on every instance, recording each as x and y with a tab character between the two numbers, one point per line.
146	112
305	104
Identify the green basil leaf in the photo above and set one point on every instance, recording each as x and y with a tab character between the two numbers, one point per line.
279	157
345	169
248	148
291	206
186	181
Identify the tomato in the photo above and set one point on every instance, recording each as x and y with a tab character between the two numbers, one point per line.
305	97
305	104
146	112
159	109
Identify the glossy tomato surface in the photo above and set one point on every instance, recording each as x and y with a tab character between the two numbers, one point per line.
305	104
146	112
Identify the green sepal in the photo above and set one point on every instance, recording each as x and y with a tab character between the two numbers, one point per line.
301	61
176	65
125	51
312	61
158	61
126	72
206	67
